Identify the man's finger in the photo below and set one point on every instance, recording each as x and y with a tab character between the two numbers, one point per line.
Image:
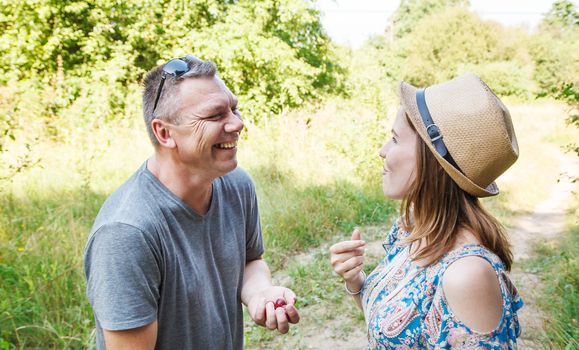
270	321
292	314
282	324
259	312
289	296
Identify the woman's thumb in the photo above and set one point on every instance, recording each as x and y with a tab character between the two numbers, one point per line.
356	236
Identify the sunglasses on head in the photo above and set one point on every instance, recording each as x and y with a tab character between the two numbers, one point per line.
176	67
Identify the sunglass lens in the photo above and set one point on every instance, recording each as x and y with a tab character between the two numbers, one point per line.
176	67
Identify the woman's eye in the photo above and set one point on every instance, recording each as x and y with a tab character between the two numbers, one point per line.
394	139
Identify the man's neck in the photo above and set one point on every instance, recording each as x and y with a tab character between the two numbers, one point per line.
193	189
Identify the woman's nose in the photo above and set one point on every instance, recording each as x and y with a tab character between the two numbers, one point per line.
384	150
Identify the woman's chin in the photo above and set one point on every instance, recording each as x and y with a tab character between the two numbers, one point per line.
390	194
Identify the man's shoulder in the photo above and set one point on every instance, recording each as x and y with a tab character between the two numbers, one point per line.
238	179
238	175
131	204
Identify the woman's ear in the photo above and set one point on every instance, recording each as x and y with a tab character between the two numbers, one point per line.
162	133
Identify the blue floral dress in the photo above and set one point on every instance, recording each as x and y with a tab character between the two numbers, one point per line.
405	307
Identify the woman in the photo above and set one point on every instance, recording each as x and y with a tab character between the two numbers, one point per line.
443	283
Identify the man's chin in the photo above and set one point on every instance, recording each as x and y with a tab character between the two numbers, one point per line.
232	165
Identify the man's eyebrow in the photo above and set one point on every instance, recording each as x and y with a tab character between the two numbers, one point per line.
213	108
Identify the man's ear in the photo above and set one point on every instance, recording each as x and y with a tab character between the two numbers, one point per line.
162	133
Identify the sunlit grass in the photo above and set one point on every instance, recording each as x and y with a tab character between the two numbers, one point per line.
317	174
542	135
312	177
557	264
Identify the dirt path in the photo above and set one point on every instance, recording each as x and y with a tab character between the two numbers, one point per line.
342	326
545	222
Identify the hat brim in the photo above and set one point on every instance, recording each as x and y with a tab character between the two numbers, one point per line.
407	95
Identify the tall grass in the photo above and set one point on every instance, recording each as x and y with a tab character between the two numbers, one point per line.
557	264
41	280
315	174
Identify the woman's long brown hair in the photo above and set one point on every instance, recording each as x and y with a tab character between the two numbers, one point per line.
436	209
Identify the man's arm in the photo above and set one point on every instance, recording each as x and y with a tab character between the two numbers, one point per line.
142	338
258	294
256	278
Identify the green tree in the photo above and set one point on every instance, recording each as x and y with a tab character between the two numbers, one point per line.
411	12
555	49
444	41
562	14
91	55
278	56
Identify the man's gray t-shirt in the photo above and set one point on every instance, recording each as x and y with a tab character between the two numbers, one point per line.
151	257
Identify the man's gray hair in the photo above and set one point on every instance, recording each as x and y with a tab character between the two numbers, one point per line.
169	104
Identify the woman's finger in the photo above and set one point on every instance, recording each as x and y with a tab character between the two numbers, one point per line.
346	246
350	275
343	257
350	264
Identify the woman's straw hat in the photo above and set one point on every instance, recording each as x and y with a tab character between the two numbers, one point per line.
470	131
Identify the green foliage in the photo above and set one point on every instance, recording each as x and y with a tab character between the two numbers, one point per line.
506	78
437	40
443	42
277	58
562	14
273	54
69	87
558	267
325	171
374	70
555	49
42	290
311	186
411	12
555	66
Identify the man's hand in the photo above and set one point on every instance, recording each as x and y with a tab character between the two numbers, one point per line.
262	309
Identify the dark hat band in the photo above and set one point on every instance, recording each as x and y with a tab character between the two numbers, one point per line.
432	129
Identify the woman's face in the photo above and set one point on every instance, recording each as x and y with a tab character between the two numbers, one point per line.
399	155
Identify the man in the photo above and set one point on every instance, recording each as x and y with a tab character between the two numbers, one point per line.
177	248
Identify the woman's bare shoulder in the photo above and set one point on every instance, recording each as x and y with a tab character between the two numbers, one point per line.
471	288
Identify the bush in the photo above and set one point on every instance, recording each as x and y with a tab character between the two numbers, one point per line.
506	78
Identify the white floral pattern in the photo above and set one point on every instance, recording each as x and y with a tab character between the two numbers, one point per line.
405	307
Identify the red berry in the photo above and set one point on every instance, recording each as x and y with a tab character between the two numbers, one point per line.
280	302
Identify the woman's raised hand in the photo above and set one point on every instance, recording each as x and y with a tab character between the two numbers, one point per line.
347	258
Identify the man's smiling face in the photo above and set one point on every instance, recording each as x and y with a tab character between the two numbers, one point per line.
208	126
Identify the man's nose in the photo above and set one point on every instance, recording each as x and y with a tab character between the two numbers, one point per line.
234	123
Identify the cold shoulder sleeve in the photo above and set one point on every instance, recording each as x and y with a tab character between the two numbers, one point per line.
443	330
